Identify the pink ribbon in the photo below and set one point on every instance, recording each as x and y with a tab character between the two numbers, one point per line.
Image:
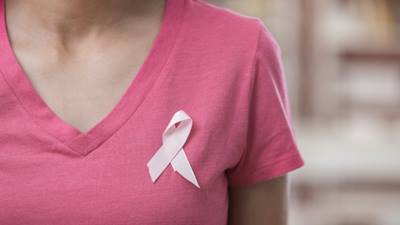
171	150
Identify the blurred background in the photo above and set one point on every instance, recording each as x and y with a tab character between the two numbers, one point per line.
342	65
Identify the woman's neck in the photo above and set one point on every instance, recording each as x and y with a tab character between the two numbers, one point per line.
62	19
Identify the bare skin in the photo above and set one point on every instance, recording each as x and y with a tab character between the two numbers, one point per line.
64	48
264	203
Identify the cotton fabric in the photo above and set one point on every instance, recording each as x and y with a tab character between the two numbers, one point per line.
223	68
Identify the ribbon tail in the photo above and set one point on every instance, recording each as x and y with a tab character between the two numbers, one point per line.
181	165
158	163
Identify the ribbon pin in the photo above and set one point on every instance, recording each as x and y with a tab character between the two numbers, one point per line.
171	150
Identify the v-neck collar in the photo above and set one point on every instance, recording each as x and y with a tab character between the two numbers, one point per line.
85	142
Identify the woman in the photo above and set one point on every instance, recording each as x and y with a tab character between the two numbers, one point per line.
141	112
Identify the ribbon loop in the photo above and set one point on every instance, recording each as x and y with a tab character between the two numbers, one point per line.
171	150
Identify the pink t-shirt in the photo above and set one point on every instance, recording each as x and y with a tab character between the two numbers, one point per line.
221	68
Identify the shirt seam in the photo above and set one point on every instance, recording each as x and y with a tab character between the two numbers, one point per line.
256	172
27	111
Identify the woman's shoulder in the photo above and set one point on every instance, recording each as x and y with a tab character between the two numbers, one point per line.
222	18
223	30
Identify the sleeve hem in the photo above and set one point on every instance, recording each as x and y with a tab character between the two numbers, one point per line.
268	171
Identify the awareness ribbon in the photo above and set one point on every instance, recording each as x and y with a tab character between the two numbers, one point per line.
171	150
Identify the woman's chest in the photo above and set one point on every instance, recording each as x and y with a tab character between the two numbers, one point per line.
44	182
82	89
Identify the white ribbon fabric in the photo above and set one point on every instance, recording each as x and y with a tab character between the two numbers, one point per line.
171	150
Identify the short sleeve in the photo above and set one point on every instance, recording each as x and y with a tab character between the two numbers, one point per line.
270	146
